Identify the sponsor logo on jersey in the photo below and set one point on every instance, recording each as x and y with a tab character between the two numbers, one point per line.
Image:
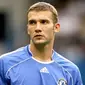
44	70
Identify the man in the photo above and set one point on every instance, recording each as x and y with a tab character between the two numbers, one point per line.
38	63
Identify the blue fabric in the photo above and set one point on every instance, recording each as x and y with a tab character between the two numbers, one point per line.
20	68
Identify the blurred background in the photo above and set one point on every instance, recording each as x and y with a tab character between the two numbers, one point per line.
69	42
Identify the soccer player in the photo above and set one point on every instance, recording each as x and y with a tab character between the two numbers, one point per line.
37	63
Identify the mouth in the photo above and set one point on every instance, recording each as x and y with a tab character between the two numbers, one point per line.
38	35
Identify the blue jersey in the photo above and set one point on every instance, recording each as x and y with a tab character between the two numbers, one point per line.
20	68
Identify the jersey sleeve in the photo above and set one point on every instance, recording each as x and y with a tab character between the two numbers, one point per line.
2	76
78	78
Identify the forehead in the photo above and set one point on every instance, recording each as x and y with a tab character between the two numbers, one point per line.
39	15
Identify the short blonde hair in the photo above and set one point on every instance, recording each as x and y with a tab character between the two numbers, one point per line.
44	6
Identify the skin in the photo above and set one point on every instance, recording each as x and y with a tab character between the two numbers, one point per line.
42	33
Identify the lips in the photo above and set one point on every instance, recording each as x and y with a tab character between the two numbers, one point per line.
38	36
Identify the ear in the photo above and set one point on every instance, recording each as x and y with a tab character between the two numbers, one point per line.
57	27
28	30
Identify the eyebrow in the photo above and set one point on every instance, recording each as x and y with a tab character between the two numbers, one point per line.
39	19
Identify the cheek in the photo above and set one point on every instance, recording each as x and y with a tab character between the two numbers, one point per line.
30	31
50	32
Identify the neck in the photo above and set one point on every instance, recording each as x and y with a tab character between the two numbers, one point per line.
42	52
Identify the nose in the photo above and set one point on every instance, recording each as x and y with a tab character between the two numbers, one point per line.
38	27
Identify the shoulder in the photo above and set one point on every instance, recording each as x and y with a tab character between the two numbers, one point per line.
68	66
65	63
10	59
13	54
18	53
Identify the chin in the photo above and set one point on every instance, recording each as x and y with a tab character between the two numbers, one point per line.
39	42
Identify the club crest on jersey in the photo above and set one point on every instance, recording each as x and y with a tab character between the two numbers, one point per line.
62	82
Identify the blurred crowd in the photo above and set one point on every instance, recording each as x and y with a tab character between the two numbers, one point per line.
69	42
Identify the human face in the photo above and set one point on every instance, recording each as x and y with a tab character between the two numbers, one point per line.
41	27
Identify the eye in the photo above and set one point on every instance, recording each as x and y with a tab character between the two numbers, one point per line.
44	21
32	22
